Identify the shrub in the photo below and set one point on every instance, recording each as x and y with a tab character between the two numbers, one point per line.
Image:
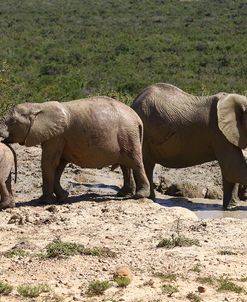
5	288
179	240
98	288
32	291
122	281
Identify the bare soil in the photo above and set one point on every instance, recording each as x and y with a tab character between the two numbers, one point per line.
129	229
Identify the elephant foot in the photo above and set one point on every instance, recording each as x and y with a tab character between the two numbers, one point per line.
46	199
231	206
7	204
142	193
62	195
125	192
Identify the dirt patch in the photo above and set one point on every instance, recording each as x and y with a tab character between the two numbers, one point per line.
93	218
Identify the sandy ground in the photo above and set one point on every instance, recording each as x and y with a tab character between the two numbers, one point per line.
129	229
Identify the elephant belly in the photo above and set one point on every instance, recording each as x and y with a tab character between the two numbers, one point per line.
90	156
177	153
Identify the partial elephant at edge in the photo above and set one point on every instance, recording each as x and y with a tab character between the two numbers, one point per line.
183	130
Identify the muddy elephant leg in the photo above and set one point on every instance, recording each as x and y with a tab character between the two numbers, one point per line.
149	168
235	195
242	192
141	181
234	171
50	160
7	199
230	194
61	194
128	188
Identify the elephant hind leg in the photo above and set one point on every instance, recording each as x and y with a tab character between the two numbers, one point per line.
128	188
7	198
141	180
149	168
230	194
133	160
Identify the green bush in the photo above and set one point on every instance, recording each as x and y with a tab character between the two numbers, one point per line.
66	50
98	288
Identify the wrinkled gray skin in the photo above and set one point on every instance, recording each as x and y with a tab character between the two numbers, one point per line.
91	133
182	130
7	163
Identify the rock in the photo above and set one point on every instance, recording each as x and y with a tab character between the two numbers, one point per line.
52	209
16	219
201	289
181	189
123	271
190	189
214	192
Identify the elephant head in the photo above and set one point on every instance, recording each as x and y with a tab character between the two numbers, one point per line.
31	123
232	118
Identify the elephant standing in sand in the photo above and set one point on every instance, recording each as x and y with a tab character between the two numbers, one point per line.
91	133
182	130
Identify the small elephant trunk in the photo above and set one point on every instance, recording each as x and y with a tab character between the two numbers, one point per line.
15	160
3	130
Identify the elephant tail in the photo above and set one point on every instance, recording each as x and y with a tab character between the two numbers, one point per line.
141	133
15	159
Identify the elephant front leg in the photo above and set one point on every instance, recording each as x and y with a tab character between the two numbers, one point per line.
230	194
61	194
48	166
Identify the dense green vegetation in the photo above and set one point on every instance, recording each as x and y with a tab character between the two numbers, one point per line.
61	50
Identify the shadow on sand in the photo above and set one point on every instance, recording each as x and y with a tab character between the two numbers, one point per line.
203	208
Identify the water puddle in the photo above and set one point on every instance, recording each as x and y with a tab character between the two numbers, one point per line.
204	208
102	187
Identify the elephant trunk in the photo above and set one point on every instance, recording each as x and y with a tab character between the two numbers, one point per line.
3	130
15	159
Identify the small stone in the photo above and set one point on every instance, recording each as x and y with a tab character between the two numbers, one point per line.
17	219
201	289
76	298
123	271
52	209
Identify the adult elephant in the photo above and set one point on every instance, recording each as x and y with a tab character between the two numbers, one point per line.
182	130
93	133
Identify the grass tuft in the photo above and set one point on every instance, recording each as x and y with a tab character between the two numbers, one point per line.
122	281
227	252
5	288
166	276
169	289
194	297
98	288
15	253
206	280
32	291
175	241
58	248
224	284
196	268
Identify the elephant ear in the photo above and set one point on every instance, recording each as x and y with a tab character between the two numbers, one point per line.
46	121
231	110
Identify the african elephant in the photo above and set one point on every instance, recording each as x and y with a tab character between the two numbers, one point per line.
7	162
91	133
182	130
